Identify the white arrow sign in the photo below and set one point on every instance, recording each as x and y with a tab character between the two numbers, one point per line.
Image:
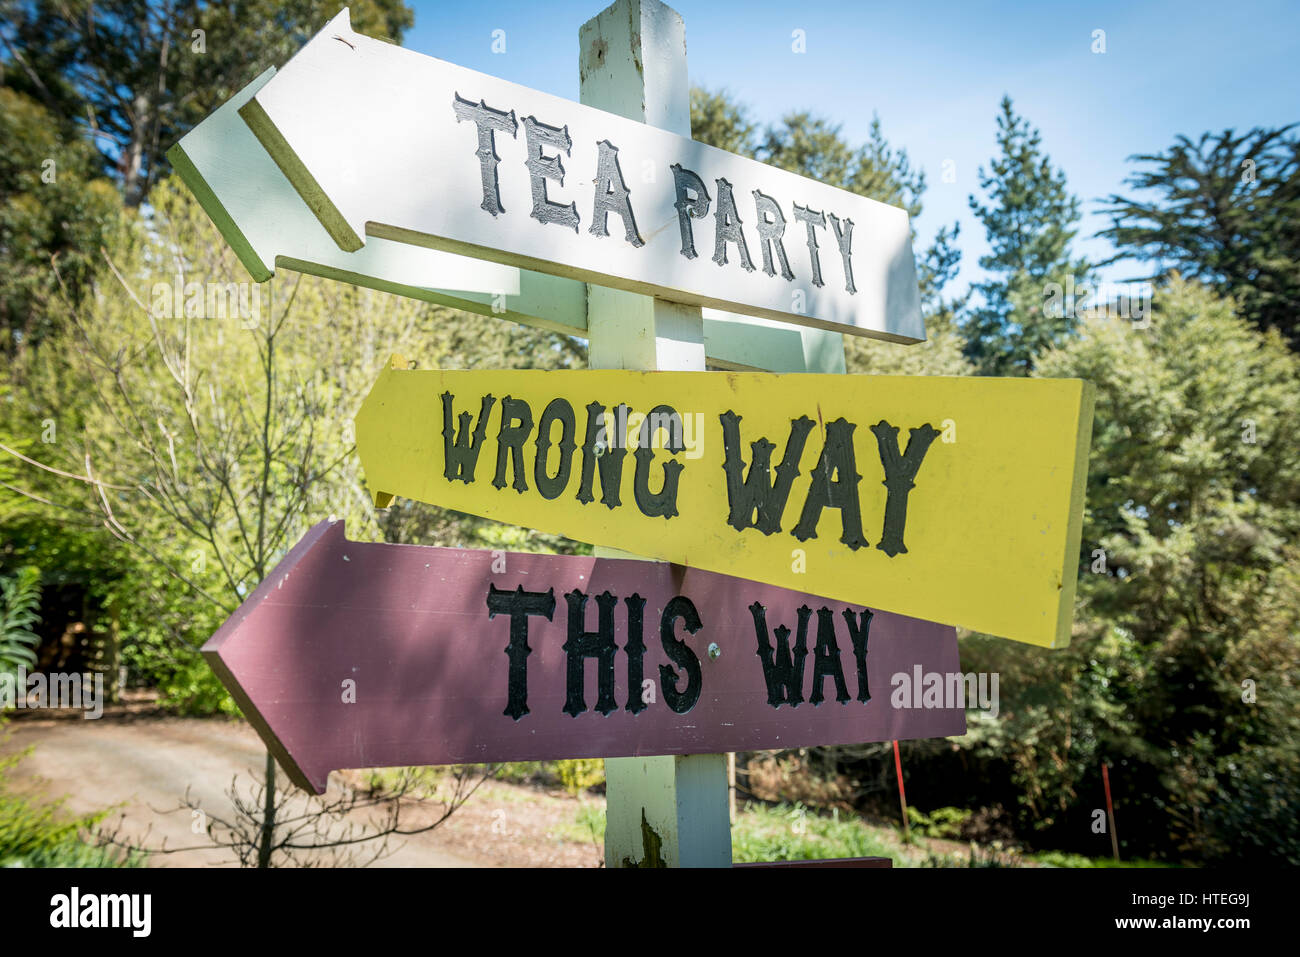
385	143
267	225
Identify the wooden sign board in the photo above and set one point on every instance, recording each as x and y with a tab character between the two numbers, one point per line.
958	500
354	655
437	155
268	225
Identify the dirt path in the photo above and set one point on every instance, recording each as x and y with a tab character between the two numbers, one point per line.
145	764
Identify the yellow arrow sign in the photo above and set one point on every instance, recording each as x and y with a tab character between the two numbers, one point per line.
958	500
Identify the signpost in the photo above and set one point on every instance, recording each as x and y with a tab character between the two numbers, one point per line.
437	155
899	499
354	655
267	224
632	62
954	499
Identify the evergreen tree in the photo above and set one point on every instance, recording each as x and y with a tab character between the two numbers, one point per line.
812	146
1227	212
55	215
1029	219
137	74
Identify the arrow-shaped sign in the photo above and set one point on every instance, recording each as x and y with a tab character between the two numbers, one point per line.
958	500
437	155
267	224
354	655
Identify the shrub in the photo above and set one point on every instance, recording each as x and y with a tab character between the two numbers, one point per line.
19	598
580	774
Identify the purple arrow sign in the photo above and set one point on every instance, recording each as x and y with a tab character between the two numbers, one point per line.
353	655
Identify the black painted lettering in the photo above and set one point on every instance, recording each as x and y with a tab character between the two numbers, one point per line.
516	424
826	659
607	450
841	492
728	229
680	654
757	501
460	452
541	168
782	671
664	502
612	196
550	486
488	121
844	238
771	227
900	470
583	644
519	604
688	206
635	649
811	218
859	631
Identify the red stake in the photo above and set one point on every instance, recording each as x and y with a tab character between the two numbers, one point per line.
902	795
1110	810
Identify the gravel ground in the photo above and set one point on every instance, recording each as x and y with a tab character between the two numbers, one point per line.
142	765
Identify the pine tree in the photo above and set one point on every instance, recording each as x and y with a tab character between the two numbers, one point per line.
812	146
1029	219
1226	211
135	75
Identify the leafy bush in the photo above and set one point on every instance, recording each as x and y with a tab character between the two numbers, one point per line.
20	596
944	822
192	688
38	835
580	774
792	833
976	857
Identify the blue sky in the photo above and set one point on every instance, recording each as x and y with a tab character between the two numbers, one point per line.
934	73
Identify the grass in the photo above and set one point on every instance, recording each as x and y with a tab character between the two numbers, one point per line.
1066	859
588	824
36	834
795	833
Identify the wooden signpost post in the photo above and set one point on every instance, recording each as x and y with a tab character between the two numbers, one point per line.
910	504
356	655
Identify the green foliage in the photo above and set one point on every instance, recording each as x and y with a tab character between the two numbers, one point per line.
1029	220
137	75
975	857
580	774
1222	210
794	833
189	688
813	146
720	121
1184	672
54	210
73	853
943	822
1066	859
19	598
40	835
